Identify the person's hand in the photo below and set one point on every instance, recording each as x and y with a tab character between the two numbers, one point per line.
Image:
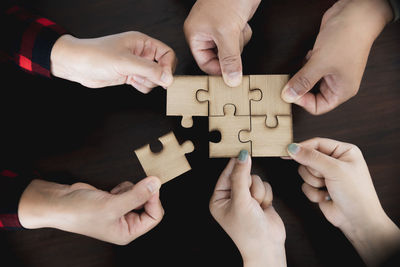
127	58
217	31
349	201
242	205
339	55
83	209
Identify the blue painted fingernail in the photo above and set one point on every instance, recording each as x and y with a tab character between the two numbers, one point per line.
293	148
243	154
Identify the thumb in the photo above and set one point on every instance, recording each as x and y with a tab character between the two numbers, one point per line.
241	178
138	195
303	81
310	157
229	59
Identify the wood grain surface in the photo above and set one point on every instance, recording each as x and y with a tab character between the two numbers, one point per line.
71	133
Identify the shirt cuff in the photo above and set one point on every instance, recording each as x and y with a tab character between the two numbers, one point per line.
37	38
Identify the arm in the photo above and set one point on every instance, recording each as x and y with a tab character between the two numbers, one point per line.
40	46
242	205
83	209
350	201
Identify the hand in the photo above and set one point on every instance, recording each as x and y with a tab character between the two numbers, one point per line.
217	31
83	209
242	205
349	201
339	56
130	57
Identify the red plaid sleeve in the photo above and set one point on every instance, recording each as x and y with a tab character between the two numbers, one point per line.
29	39
12	185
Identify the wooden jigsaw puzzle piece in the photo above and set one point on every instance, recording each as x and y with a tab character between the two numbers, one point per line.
219	94
271	104
170	162
229	126
268	142
182	101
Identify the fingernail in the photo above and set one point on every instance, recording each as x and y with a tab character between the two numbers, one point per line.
243	154
293	148
289	94
166	78
153	186
234	78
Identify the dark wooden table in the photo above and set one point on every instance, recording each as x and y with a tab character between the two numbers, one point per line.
72	133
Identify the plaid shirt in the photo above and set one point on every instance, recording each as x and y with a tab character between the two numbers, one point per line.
29	39
28	42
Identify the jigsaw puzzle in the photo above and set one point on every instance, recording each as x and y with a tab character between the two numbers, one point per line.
229	126
170	162
271	104
268	142
182	101
253	112
219	94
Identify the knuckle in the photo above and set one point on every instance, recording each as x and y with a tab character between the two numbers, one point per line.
303	82
230	59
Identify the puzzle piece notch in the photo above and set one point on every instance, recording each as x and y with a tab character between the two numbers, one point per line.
271	103
229	126
268	142
182	101
170	162
219	94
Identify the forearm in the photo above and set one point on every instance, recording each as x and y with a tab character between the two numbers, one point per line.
376	241
371	16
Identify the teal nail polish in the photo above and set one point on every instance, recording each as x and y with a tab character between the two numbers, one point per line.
293	148
243	155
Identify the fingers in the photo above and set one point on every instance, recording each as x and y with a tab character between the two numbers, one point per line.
229	58
139	224
313	158
304	80
324	101
122	188
138	195
240	177
223	187
257	188
134	65
314	194
267	201
309	177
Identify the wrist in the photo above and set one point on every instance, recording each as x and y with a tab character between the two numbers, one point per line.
37	206
374	240
266	256
61	55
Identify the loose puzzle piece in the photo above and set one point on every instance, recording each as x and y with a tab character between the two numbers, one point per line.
219	94
268	142
271	103
170	162
229	126
182	101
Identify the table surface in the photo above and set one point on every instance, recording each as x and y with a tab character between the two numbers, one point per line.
68	132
